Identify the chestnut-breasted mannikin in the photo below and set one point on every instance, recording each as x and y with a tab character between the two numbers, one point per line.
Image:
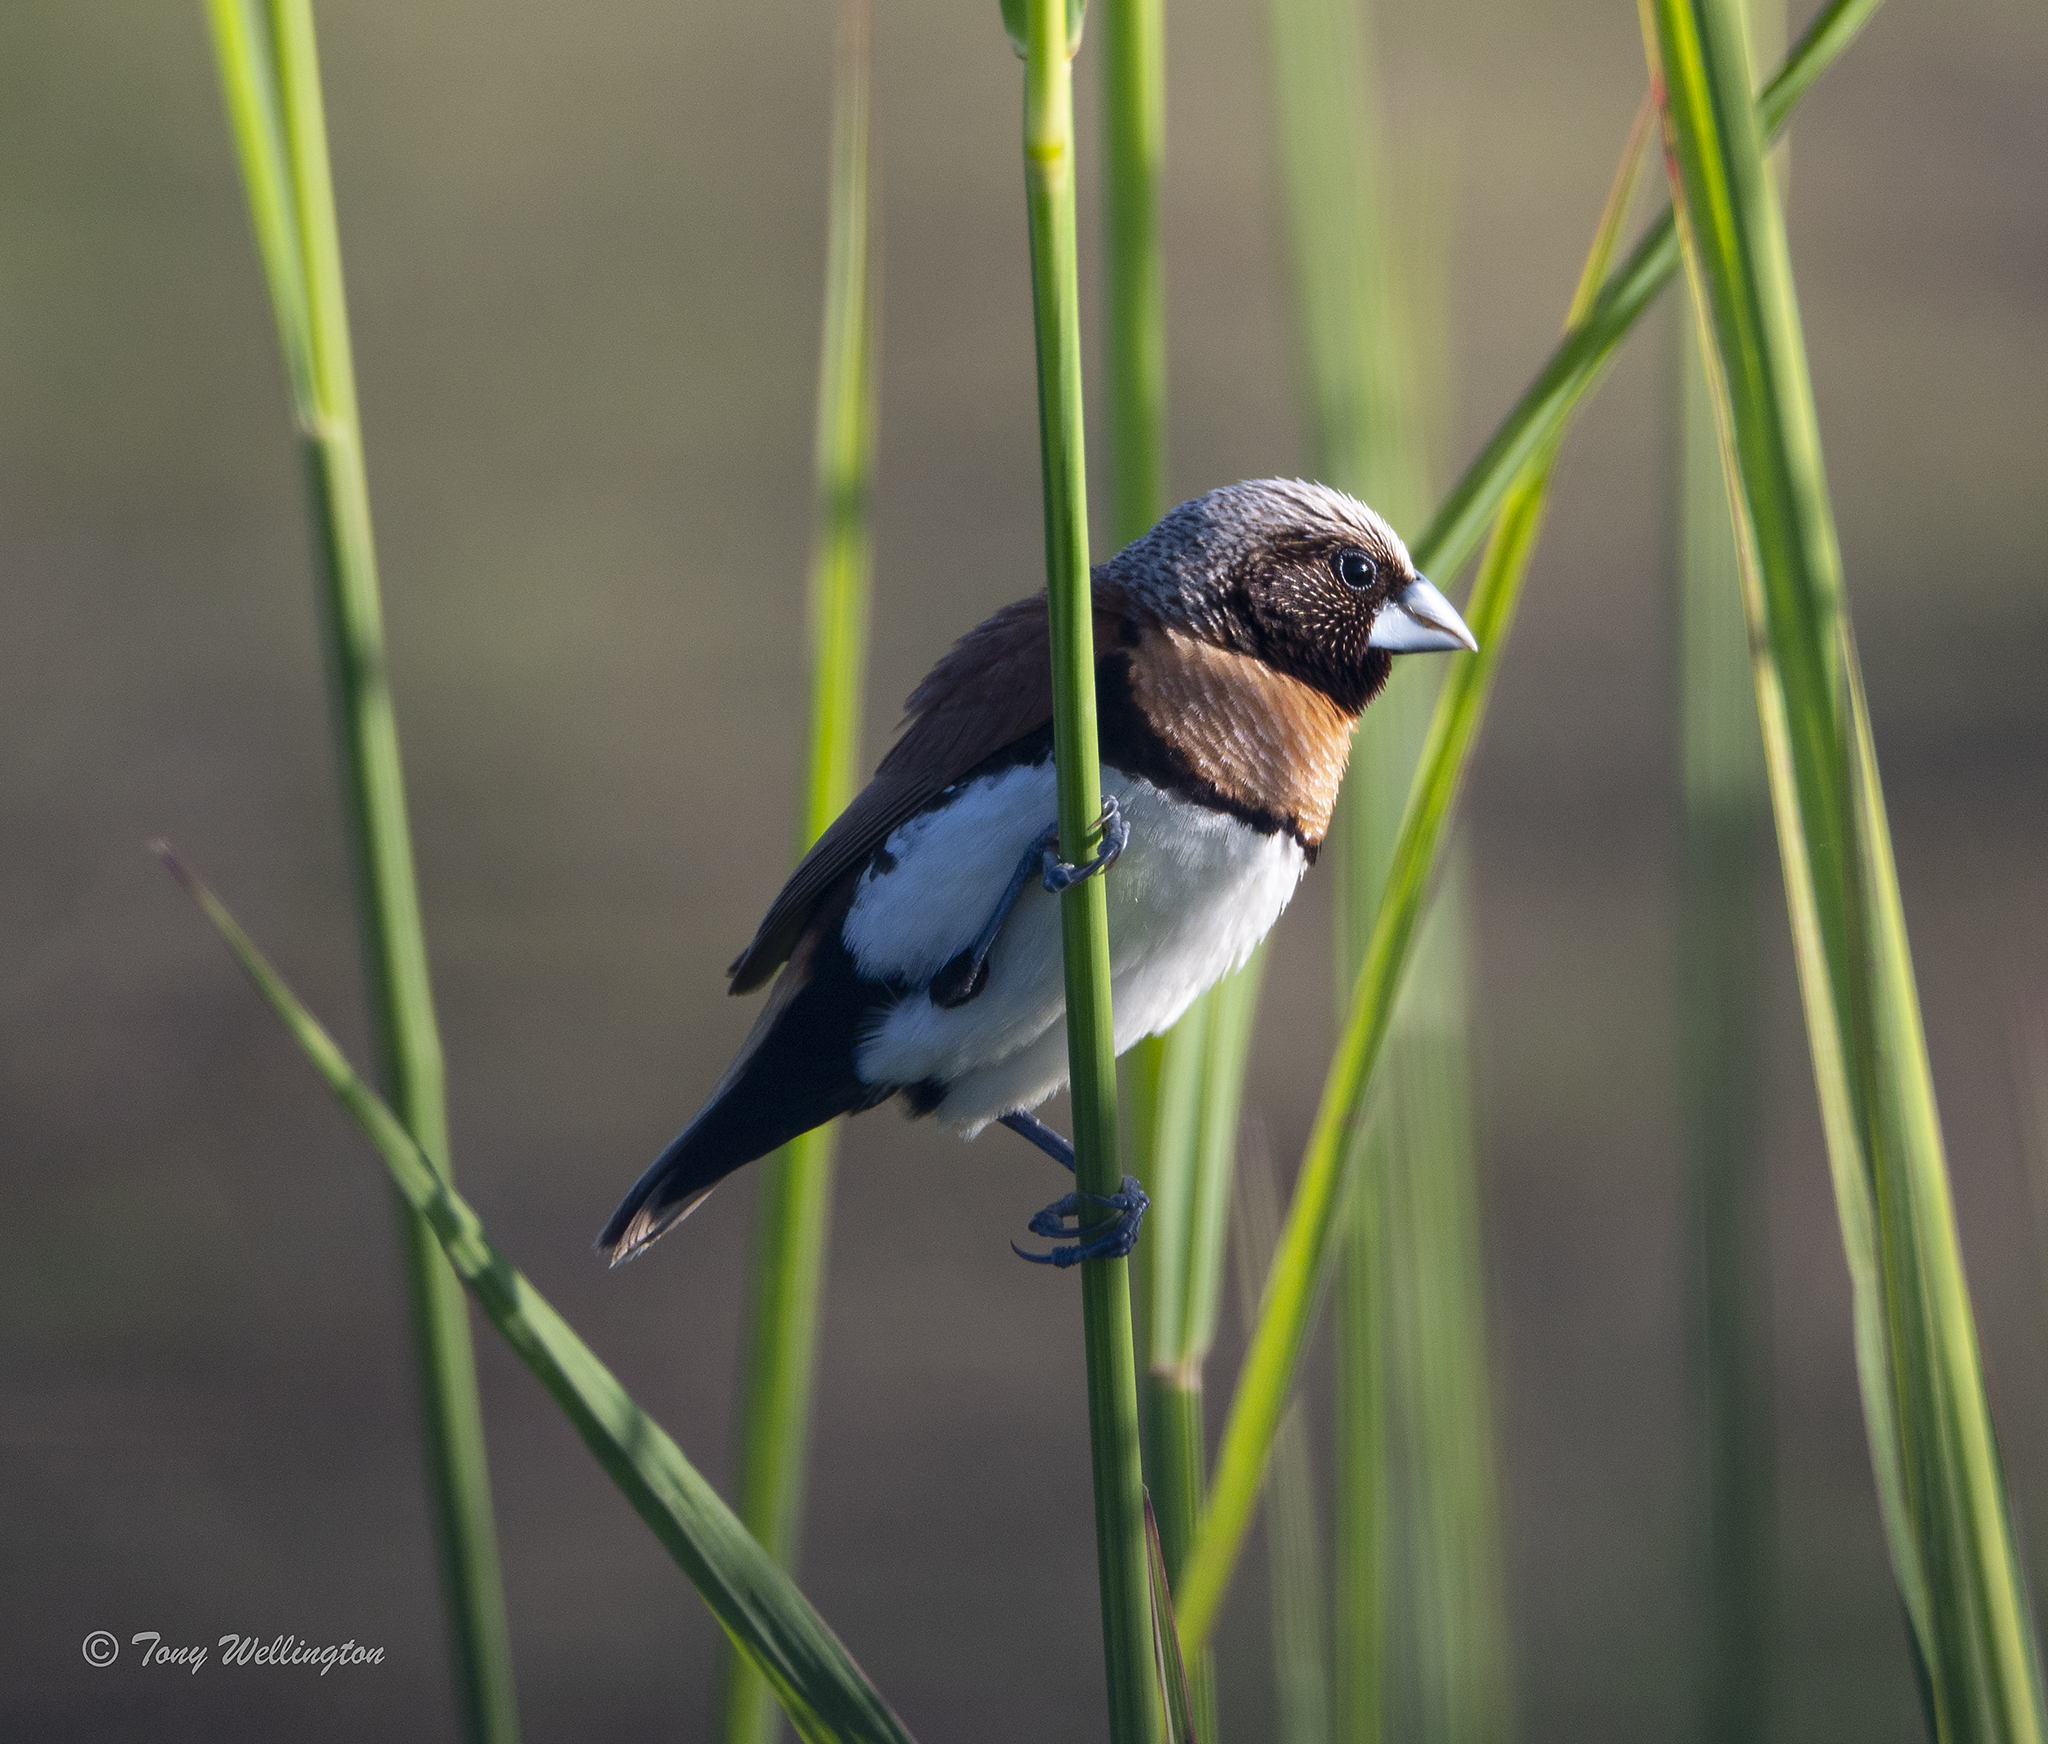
1236	645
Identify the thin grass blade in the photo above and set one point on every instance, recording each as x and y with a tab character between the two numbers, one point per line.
825	1693
1121	1556
270	78
793	1194
1933	1448
1306	1244
1173	1671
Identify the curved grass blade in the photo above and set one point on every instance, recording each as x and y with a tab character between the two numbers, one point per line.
826	1695
1134	1716
1294	1283
793	1195
1941	1488
270	78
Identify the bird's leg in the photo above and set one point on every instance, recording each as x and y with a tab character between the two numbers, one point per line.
965	975
1029	1126
1111	1240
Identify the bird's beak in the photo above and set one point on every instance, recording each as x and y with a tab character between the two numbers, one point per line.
1419	620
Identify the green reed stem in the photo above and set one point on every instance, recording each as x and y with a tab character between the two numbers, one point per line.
1940	1486
1112	1381
270	79
1726	831
1135	1715
793	1207
1308	1241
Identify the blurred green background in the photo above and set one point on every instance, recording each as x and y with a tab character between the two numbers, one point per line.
584	251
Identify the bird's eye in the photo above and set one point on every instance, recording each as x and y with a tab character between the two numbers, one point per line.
1355	569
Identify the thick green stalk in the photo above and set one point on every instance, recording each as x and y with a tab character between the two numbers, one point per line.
1308	1240
271	79
1726	829
827	1697
1933	1448
793	1207
1120	1541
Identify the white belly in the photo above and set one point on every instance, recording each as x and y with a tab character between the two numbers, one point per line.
1191	897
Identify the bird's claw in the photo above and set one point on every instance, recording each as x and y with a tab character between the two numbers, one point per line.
1059	876
1106	1241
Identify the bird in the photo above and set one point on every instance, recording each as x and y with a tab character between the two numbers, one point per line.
1236	645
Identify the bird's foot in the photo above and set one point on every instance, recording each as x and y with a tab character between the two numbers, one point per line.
1058	876
1104	1241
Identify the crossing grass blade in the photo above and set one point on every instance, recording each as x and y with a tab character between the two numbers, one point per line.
793	1194
826	1695
1941	1488
1308	1238
1121	1553
270	80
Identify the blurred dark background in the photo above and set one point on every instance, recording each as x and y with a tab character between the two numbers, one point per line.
584	249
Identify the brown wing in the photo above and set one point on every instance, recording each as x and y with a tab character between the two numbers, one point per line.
991	690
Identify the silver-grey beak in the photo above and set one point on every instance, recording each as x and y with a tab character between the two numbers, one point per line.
1419	620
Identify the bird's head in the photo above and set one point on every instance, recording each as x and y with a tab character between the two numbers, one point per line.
1305	578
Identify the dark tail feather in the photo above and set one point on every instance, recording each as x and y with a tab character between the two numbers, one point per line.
795	1072
675	1184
